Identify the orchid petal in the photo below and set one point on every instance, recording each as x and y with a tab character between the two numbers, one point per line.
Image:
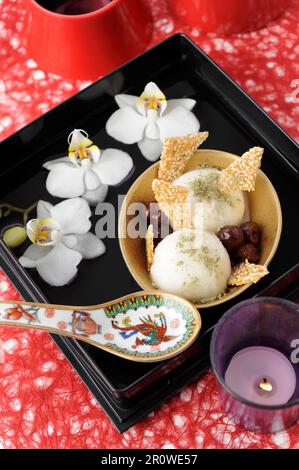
66	180
151	149
124	100
86	164
72	216
163	106
186	103
97	196
31	229
78	140
95	153
59	267
33	254
177	123
88	244
126	125
73	159
152	89
113	166
91	180
152	130
43	209
52	163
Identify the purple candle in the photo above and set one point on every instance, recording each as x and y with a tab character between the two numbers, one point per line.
262	375
255	357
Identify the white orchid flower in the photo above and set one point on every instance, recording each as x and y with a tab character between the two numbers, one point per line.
87	171
149	118
60	239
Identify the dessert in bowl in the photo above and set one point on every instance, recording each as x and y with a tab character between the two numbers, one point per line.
223	237
194	272
211	209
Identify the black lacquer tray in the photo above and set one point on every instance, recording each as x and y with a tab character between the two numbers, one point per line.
127	391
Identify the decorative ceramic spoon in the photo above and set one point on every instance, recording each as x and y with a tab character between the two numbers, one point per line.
143	327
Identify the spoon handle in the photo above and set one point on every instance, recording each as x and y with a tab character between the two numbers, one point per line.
74	322
143	327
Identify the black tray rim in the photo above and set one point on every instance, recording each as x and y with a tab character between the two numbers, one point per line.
182	38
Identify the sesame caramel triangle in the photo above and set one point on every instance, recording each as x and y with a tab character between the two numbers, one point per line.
176	153
241	174
247	273
172	200
149	245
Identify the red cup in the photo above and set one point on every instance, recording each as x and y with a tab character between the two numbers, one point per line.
228	16
85	46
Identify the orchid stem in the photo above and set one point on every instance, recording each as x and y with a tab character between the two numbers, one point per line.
8	208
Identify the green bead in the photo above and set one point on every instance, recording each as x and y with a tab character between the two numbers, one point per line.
14	236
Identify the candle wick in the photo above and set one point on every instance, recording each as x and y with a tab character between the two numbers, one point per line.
265	385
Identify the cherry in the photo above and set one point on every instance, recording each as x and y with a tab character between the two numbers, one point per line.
231	236
251	232
247	251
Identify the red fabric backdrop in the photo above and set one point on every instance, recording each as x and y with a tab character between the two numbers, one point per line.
43	403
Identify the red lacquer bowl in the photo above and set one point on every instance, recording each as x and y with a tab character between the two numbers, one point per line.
228	16
85	46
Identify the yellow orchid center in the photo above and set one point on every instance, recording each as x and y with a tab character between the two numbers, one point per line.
42	231
83	153
42	235
153	103
80	153
151	98
81	147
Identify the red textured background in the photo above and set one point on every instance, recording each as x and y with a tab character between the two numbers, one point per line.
43	403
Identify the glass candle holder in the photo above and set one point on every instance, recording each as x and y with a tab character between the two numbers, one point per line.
255	357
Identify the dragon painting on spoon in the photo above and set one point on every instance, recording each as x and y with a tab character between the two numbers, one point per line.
140	327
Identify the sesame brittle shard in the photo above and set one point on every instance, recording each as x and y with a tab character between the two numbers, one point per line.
247	273
241	174
176	153
172	200
149	245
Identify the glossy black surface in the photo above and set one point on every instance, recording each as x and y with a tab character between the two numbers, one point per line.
235	123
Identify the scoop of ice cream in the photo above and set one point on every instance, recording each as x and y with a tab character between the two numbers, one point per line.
210	208
192	264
